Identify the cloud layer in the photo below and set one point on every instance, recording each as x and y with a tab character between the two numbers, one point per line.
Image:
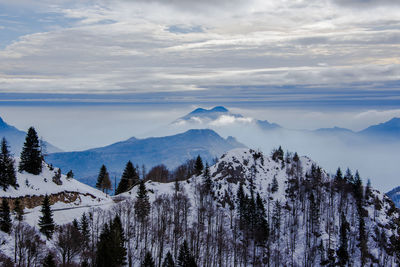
206	46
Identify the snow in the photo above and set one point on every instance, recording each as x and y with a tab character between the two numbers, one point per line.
42	184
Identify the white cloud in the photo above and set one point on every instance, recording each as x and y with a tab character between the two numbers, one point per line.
125	46
225	120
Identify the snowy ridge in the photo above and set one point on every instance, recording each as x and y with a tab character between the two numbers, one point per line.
71	198
42	184
256	173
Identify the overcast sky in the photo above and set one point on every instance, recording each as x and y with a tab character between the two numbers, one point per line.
284	50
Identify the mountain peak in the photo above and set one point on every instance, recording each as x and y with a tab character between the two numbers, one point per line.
390	128
3	124
219	109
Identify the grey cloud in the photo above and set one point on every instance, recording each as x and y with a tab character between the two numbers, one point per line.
367	3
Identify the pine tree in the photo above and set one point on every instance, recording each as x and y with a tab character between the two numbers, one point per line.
262	228
296	157
110	248
5	220
70	174
142	204
103	179
338	176
342	253
168	261
128	179
7	169
19	211
275	185
31	155
84	228
49	261
358	188
185	258
207	183
198	166
118	241
148	260
46	222
348	177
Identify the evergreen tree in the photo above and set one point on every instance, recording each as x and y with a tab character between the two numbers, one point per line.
296	157
70	174
207	183
339	175
19	211
49	261
348	177
110	248
198	167
84	228
148	260
103	179
278	154
275	185
342	253
168	261
358	188
31	155
118	241
261	228
46	222
142	204
128	179
7	169
75	224
5	220
185	258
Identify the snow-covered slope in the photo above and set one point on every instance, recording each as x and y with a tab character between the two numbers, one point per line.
67	194
322	197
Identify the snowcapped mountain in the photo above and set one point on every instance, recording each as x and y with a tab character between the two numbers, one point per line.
220	116
170	151
16	138
305	208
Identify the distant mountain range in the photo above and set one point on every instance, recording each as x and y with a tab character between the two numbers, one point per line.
170	151
16	139
389	129
386	131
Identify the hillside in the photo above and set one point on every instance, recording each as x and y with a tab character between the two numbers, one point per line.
247	210
65	194
170	151
302	210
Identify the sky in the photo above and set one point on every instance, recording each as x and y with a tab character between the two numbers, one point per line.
92	72
186	50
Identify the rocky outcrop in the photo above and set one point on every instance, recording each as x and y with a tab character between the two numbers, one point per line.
34	201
